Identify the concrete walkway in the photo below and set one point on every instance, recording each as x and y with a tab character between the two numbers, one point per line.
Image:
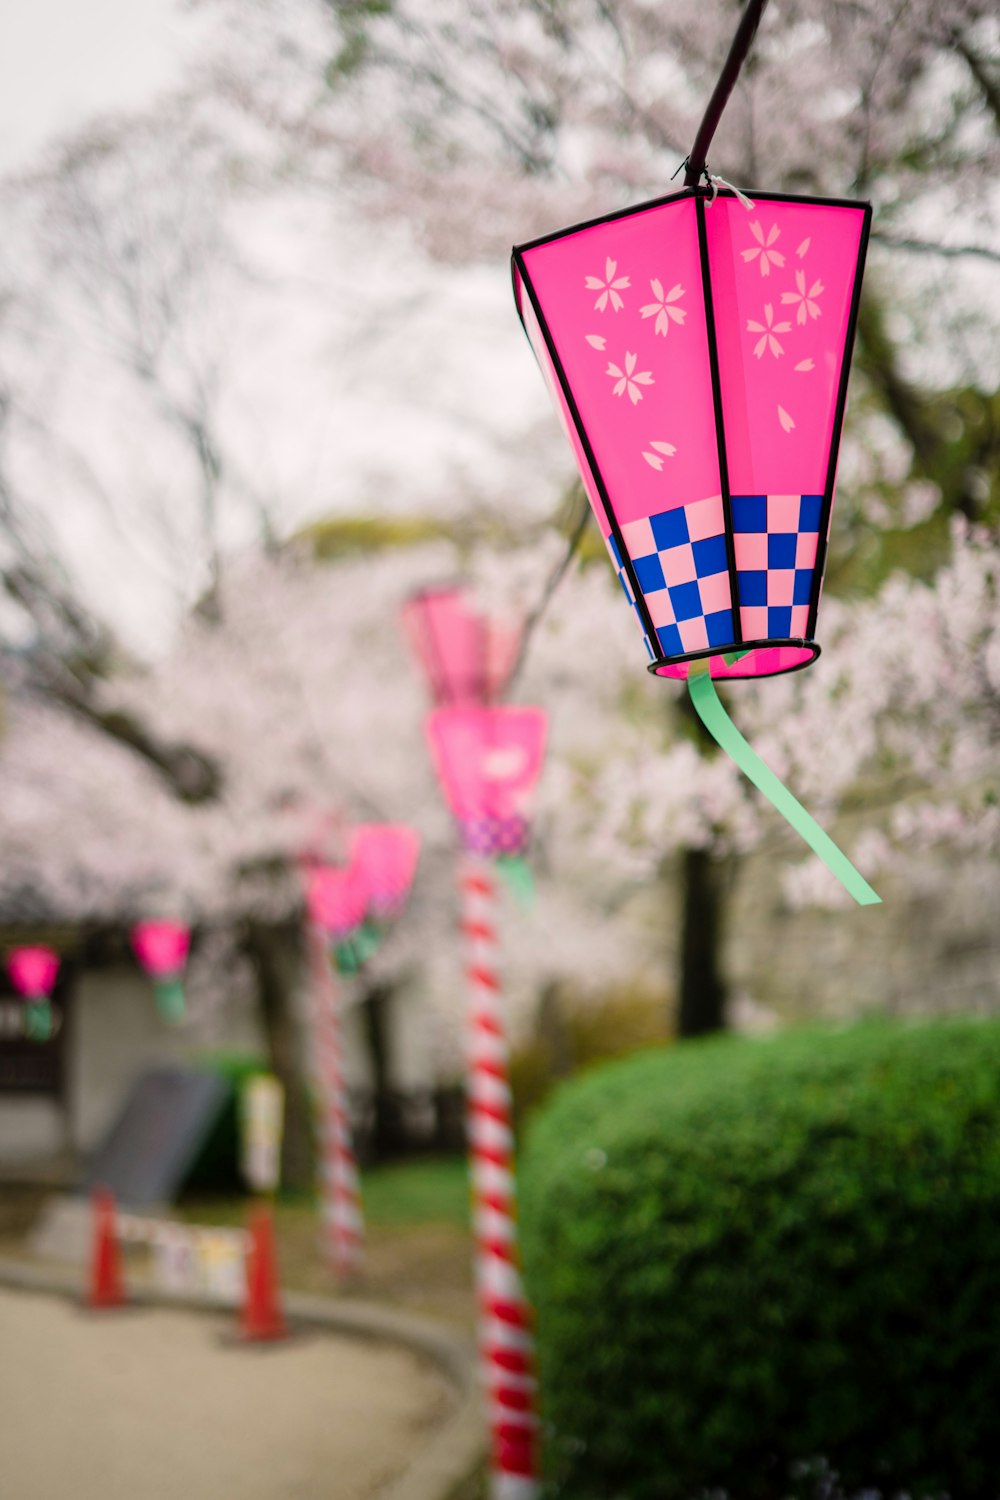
158	1403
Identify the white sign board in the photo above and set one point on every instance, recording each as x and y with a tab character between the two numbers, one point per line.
262	1119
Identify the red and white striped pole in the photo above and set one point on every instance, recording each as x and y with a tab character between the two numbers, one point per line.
343	1221
506	1344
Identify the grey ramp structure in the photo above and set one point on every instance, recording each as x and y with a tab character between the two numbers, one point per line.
164	1125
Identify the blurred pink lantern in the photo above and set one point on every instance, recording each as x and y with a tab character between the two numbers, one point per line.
466	657
346	907
698	348
33	972
488	761
162	949
384	856
336	899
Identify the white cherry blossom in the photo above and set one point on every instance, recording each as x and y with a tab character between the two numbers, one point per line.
807	307
662	450
767	330
768	257
609	287
662	309
627	381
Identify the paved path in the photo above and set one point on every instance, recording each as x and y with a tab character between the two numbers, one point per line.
154	1404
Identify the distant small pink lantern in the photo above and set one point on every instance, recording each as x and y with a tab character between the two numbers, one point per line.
162	949
697	349
33	972
488	761
336	899
466	657
384	855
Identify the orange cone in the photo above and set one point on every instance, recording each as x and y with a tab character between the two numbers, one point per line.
262	1315
107	1284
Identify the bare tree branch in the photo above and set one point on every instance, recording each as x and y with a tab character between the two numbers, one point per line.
988	87
555	578
190	775
933	247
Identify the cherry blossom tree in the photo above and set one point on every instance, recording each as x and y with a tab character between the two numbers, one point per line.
512	119
299	693
475	126
117	349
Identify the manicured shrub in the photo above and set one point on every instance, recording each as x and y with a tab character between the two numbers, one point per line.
746	1254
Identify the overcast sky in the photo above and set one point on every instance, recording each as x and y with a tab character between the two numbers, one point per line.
357	377
62	61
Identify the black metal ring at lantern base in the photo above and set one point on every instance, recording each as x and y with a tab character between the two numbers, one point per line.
742	648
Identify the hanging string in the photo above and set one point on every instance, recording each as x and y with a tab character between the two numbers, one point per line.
715	183
694	168
722	729
745	33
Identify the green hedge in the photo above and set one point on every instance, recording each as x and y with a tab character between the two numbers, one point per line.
216	1170
745	1254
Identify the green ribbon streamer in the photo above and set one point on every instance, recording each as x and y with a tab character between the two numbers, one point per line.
722	729
38	1020
353	952
169	998
517	876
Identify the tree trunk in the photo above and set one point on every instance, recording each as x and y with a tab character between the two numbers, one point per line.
388	1133
702	999
553	1033
276	954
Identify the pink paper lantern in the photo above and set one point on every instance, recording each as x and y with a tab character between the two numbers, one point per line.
698	352
466	658
384	856
161	947
488	761
336	899
33	971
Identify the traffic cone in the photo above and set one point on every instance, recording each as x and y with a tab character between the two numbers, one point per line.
107	1284
262	1315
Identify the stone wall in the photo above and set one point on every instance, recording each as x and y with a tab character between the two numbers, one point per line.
114	1033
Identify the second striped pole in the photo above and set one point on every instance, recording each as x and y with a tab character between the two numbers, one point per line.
343	1221
506	1343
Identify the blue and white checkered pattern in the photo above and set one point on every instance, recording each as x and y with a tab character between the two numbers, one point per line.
682	569
775	538
627	589
495	836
